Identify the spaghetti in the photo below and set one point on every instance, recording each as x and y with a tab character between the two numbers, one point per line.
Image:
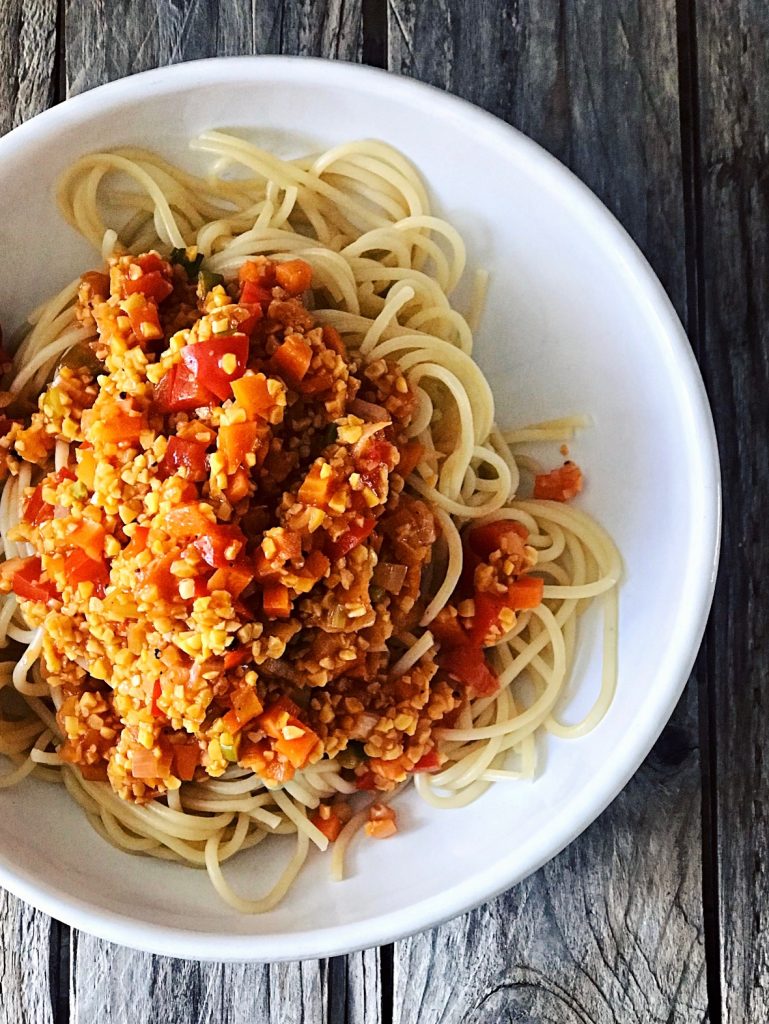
383	269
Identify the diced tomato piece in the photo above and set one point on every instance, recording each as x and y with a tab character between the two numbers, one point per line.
316	384
218	362
235	441
152	285
428	762
367	781
37	510
488	610
26	582
253	293
253	394
186	758
316	565
98	282
357	533
506	535
156	581
234	579
180	390
183	454
220	546
79	568
157	691
468	666
248	314
448	630
150	261
293	358
561	484
89	537
276	601
526	592
294	276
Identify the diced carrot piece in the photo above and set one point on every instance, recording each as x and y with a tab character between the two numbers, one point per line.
296	743
238	486
235	441
316	487
233	578
89	537
276	601
381	823
411	455
245	707
260	271
253	394
526	592
186	758
333	339
316	565
188	520
237	657
295	276
293	358
330	826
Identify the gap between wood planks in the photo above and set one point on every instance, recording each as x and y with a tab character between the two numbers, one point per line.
691	174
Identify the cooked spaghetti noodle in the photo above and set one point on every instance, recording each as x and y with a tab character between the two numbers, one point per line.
383	271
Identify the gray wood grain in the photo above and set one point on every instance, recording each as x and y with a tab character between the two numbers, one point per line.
112	984
733	43
24	954
120	986
27	48
612	930
101	46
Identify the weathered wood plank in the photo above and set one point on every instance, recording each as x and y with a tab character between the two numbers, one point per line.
112	984
25	996
101	47
27	68
733	43
612	930
120	986
27	49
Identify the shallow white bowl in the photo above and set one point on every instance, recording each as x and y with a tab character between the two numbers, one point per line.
575	322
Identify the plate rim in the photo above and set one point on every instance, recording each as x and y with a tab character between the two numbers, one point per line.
606	233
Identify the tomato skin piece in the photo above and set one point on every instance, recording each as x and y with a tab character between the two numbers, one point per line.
182	453
152	285
488	609
428	762
27	585
357	533
179	390
469	667
484	540
38	511
448	630
217	539
186	758
80	568
410	457
254	294
204	360
560	484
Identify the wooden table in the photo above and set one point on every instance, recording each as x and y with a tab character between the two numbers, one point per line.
660	911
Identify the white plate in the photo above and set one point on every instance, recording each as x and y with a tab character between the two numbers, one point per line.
576	321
